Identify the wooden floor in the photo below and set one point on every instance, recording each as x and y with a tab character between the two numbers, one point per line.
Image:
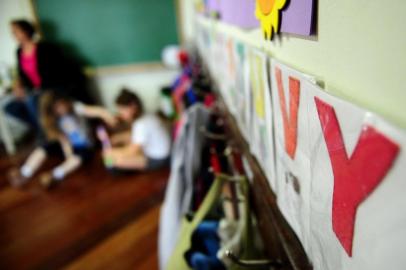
93	220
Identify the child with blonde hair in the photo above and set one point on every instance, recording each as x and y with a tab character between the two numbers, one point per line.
63	121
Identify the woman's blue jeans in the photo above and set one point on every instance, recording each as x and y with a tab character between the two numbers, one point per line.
25	110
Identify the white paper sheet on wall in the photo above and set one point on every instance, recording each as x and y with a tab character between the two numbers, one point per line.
240	101
262	145
230	78
293	179
215	51
357	197
248	104
204	43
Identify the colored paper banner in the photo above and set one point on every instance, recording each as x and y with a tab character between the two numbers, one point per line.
340	174
337	169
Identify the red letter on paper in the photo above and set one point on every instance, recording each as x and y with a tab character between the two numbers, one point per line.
289	121
355	177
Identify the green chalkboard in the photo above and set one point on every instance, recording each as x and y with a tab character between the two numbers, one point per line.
109	32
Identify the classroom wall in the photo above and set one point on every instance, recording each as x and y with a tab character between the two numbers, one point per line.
11	9
359	53
187	20
146	84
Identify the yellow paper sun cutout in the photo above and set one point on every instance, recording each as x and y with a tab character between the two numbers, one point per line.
267	12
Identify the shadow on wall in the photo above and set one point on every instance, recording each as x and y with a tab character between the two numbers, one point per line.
51	34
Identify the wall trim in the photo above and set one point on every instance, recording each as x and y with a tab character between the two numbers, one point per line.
127	68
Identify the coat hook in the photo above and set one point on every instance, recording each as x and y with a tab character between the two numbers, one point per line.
230	178
228	151
253	263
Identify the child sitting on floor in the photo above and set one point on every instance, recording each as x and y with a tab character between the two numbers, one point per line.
65	126
147	147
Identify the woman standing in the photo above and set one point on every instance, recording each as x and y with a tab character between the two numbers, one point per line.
41	66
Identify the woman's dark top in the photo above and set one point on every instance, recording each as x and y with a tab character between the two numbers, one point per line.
57	72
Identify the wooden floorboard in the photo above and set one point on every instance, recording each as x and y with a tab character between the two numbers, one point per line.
125	249
52	229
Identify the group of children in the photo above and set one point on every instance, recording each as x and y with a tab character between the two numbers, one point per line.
144	146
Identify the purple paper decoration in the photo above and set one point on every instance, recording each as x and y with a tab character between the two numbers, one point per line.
213	6
297	17
240	13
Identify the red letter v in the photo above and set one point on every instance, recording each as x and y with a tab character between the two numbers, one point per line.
289	121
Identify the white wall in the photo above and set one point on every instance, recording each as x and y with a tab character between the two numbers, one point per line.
146	84
11	9
187	17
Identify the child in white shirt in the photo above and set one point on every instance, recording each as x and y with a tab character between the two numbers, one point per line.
149	144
